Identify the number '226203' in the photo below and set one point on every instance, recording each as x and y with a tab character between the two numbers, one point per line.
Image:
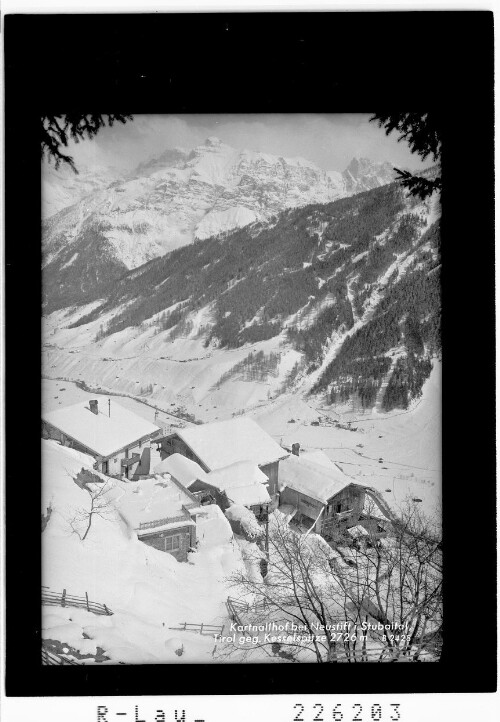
342	713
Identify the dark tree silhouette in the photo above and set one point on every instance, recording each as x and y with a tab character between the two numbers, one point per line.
422	132
57	130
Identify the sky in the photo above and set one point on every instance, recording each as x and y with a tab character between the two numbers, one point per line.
330	141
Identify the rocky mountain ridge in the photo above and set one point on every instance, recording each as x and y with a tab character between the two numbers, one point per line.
172	199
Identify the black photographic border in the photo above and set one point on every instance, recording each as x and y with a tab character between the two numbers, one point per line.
256	63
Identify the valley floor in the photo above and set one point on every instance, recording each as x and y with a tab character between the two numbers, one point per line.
398	453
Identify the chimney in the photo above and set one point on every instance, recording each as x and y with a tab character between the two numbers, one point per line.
295	448
94	406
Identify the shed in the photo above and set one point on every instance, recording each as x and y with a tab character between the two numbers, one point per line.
161	511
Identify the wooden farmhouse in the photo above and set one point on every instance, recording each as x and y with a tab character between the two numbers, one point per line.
162	512
219	445
318	496
241	483
118	439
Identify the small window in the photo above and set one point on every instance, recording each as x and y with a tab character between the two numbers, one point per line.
172	543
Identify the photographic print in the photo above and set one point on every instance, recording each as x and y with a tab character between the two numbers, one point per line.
246	254
241	388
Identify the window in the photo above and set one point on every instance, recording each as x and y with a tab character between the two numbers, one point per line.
172	543
105	467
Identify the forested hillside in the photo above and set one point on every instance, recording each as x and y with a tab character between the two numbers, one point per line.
360	273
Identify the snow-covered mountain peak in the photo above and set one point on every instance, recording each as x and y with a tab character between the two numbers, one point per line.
212	146
364	174
181	195
213	142
361	165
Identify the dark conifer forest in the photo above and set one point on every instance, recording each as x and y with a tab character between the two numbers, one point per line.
363	270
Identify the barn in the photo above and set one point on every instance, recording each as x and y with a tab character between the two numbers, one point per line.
118	439
218	445
321	498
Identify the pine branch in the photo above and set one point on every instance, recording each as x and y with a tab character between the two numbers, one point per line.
417	185
57	130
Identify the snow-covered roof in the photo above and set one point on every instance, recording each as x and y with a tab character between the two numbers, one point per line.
241	473
168	526
181	468
99	432
318	457
249	495
243	482
225	442
312	479
149	500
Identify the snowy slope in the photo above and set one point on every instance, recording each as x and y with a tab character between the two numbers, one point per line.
148	591
186	364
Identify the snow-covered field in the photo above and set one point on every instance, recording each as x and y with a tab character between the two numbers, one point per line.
398	453
180	372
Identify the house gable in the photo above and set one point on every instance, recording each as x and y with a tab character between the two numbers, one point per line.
104	432
217	445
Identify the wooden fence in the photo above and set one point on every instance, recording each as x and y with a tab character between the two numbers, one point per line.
64	599
235	608
201	628
246	607
51	658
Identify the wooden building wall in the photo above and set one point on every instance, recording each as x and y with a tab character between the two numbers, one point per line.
272	473
114	461
220	497
186	538
306	506
349	498
175	445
